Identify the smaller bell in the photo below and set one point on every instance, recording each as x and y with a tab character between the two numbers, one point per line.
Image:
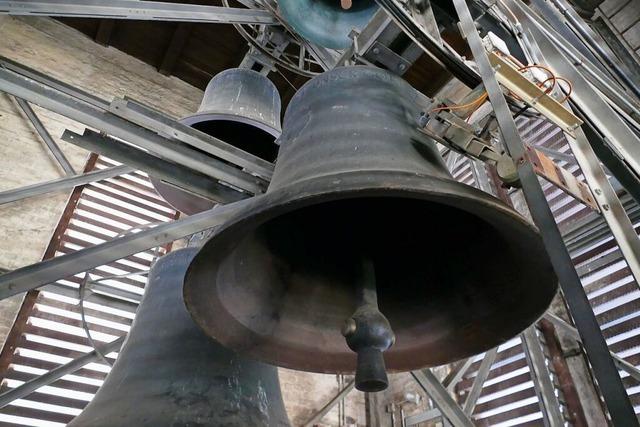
327	22
240	107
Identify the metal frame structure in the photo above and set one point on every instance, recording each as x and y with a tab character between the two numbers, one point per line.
151	146
133	9
605	371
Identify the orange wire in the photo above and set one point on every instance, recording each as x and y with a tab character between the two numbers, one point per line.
516	61
476	103
483	98
459	107
542	67
569	91
511	57
552	78
550	88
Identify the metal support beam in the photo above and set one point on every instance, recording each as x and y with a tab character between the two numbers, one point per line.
603	82
61	103
618	135
30	386
605	196
62	184
481	377
330	404
605	371
171	173
374	410
617	45
442	399
541	379
423	12
46	137
170	128
58	85
622	364
36	275
563	378
424	417
105	29
137	10
178	40
580	27
603	193
555	19
456	374
618	168
612	209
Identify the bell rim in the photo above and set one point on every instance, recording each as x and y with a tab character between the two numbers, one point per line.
208	116
339	187
173	195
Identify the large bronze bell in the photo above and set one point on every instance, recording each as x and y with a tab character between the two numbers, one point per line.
242	108
327	22
363	221
169	373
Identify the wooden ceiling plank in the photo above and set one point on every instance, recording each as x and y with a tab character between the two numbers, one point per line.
177	43
105	29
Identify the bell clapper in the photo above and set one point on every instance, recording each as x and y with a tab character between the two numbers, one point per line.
346	4
368	333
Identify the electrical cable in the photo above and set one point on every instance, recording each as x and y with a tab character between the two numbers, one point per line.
85	326
569	90
458	107
85	281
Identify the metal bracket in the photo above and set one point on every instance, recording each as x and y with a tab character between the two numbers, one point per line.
529	92
385	56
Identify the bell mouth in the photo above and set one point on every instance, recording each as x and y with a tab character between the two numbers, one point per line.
243	133
457	271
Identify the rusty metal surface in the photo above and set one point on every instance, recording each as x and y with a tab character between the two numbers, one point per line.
545	167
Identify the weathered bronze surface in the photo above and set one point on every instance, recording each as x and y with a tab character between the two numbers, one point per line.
327	22
169	373
242	108
457	271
